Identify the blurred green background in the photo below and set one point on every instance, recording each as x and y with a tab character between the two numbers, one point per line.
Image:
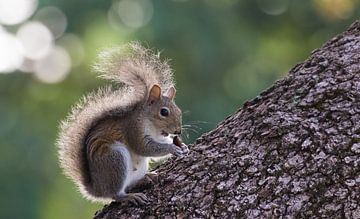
223	52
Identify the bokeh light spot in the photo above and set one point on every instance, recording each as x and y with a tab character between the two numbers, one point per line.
133	13
334	9
36	39
16	11
74	45
54	67
27	66
54	19
273	7
10	52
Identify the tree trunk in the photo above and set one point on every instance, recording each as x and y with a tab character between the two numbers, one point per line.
292	151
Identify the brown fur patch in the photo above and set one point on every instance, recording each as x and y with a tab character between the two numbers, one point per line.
104	134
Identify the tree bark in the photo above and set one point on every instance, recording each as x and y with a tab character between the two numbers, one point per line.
292	151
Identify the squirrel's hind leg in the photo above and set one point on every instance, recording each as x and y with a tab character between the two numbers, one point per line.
109	171
135	198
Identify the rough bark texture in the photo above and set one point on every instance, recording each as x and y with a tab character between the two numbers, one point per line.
292	151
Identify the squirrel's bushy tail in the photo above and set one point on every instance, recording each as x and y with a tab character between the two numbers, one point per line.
135	66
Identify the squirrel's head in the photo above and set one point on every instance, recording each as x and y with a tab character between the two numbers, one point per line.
162	111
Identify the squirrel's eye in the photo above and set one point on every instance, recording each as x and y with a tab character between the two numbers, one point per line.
164	112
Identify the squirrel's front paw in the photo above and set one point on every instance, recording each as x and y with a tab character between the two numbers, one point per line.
180	151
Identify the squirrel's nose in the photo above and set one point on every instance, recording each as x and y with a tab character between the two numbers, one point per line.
177	132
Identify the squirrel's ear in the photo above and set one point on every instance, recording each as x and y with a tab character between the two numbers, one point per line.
171	93
155	93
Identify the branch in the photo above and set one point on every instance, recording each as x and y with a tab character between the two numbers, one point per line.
292	151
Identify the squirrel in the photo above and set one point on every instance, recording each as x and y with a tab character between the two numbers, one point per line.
106	141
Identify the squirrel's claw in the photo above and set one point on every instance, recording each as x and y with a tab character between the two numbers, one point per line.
185	148
133	198
180	151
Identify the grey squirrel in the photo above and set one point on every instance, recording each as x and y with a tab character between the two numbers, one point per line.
105	143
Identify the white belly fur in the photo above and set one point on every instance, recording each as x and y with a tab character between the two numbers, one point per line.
137	166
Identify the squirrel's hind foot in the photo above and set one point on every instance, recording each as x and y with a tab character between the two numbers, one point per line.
148	181
133	198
